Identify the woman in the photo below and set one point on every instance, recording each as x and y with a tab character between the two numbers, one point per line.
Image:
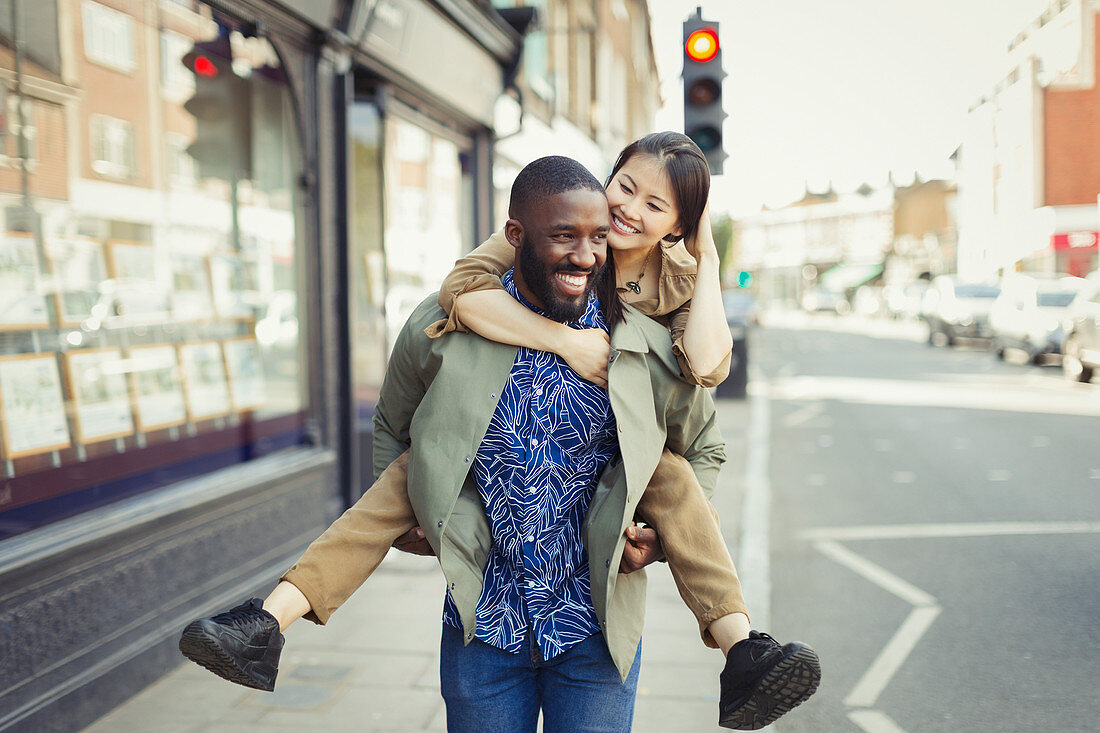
657	195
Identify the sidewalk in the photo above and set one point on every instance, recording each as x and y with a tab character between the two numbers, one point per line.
375	667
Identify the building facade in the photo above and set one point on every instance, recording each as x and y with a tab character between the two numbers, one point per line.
586	87
839	241
217	215
1029	163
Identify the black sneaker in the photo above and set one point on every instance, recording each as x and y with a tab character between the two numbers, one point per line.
763	680
241	645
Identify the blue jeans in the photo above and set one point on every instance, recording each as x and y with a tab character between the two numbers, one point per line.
489	690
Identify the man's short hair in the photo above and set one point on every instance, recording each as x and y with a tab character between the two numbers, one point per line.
546	177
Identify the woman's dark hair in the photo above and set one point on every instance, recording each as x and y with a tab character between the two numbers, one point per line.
606	290
687	169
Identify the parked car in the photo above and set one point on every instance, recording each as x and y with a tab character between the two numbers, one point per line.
1081	350
821	299
953	309
1031	314
904	301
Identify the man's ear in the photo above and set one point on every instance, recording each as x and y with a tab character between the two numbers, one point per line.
513	232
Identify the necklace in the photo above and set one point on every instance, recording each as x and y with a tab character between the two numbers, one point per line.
635	285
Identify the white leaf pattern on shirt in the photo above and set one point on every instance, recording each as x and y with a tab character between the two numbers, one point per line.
554	432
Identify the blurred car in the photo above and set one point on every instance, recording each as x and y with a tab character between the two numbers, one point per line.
1031	313
741	313
1081	350
953	309
904	301
741	309
821	299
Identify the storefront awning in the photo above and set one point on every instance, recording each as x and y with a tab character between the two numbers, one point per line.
845	277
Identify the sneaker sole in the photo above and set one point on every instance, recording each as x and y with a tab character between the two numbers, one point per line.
204	650
786	686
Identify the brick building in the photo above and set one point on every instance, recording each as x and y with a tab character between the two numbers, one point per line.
1029	164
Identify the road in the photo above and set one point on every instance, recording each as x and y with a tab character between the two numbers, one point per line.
935	529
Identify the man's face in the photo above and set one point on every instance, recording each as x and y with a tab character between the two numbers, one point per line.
563	252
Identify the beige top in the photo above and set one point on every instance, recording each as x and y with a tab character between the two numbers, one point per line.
483	268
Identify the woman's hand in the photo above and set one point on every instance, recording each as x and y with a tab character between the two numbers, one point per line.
702	243
587	351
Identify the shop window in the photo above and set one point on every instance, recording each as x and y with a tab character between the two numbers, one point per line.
150	272
108	36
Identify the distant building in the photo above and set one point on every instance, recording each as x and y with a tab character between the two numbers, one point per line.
1029	163
843	240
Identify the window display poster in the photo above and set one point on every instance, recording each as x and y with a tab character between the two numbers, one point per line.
101	401
32	409
22	305
191	296
234	282
140	293
78	269
246	376
204	380
158	388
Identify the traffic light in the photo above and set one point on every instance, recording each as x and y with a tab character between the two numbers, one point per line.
222	107
703	75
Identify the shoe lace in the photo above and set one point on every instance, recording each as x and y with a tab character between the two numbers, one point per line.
247	618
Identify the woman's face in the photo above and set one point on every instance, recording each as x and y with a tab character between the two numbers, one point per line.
642	203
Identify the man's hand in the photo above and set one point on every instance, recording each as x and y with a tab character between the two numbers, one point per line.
414	542
643	547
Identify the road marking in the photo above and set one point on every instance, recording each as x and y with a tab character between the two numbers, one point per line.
1040	441
954	393
904	477
874	721
803	415
998	474
1094	473
816	479
892	656
825	441
938	531
960	443
878	575
753	557
883	446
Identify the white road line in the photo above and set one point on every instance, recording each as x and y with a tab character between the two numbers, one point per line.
933	531
873	721
903	477
805	414
753	557
892	656
875	573
998	474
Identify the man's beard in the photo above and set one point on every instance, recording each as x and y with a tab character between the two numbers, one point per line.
539	278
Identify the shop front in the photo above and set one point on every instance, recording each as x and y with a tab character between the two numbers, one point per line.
216	217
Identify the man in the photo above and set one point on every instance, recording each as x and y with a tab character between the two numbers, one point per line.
524	477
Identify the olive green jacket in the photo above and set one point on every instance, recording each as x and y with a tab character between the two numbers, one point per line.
439	395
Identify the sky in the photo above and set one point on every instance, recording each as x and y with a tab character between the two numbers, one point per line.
843	91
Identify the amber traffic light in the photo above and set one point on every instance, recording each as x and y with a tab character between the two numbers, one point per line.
703	75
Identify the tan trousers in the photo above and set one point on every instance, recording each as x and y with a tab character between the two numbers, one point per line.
342	558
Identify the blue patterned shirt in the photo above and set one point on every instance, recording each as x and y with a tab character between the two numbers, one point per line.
536	469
